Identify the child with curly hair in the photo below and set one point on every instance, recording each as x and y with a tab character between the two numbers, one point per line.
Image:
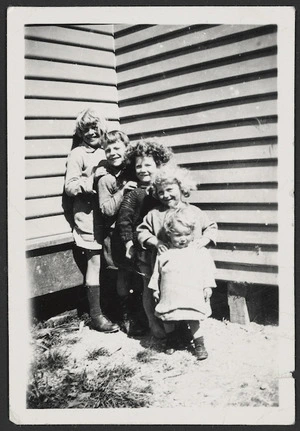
172	186
182	280
146	156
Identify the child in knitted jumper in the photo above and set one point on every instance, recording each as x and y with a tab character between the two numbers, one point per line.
182	280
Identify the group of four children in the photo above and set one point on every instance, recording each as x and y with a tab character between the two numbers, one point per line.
130	205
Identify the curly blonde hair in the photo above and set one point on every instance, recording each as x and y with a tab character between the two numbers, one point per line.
173	174
149	148
179	216
89	117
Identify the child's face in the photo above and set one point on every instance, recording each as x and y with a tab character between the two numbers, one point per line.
115	153
145	168
91	135
169	194
181	236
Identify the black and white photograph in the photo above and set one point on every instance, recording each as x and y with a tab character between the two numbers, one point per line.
150	215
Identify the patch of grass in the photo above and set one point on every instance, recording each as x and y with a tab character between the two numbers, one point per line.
145	356
110	388
95	354
51	361
116	373
71	341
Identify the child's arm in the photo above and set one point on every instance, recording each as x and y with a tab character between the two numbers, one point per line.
155	279
110	196
146	234
206	229
75	182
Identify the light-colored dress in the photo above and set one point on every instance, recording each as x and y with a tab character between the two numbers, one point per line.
178	280
79	184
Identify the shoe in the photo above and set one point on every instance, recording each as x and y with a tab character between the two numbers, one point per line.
136	329
102	324
170	343
200	350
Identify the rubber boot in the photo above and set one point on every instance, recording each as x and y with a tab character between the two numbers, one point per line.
99	322
200	350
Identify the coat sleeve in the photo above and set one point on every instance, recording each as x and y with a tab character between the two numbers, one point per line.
145	230
110	197
75	182
209	229
127	216
154	283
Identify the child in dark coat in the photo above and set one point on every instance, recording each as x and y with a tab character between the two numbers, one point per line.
146	156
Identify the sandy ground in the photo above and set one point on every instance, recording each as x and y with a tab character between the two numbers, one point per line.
241	369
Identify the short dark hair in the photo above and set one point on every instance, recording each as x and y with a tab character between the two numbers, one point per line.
114	136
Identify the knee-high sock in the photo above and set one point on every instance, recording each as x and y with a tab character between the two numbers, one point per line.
93	294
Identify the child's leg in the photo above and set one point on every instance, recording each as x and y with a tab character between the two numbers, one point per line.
171	337
122	283
149	307
200	350
92	276
92	281
169	327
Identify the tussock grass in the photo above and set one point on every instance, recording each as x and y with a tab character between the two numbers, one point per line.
96	353
145	356
51	361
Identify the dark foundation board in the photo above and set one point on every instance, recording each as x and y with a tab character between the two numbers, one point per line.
52	269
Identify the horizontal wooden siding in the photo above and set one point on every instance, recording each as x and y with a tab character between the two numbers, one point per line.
67	68
209	92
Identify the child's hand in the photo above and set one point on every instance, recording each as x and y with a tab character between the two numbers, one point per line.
130	185
202	242
161	247
129	250
156	295
207	293
99	172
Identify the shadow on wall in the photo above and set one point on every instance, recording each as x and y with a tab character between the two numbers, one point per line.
262	303
52	304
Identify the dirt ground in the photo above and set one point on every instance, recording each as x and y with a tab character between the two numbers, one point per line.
76	367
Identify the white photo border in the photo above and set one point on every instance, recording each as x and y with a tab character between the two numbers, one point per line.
17	17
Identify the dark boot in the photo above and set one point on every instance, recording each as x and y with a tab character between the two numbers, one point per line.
130	321
200	350
103	324
125	312
171	343
98	321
